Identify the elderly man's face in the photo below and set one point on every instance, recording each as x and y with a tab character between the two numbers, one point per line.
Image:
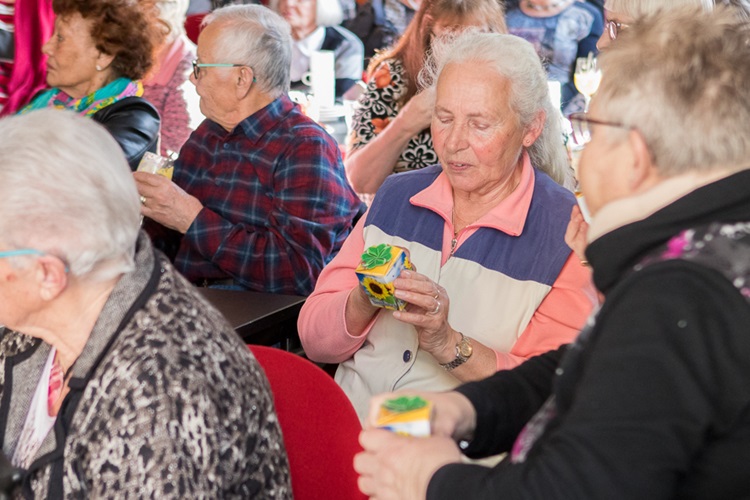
474	130
215	84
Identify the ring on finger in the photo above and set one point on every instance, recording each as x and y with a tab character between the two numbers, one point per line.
436	310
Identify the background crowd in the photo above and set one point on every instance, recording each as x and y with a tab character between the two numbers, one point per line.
602	351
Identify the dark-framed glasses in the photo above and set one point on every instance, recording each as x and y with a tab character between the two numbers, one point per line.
581	124
613	28
197	67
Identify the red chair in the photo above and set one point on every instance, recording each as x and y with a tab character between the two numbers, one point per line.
319	425
193	26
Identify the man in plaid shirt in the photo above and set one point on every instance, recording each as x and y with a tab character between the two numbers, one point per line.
259	192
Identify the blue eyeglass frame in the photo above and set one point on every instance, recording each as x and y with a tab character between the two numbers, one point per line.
24	251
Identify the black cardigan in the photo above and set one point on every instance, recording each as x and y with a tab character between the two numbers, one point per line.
134	123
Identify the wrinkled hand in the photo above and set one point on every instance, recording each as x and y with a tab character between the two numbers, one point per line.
418	111
399	467
428	313
453	415
575	235
165	202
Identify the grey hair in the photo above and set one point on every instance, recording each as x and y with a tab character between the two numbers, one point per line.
260	38
638	8
689	99
327	12
68	191
173	13
516	60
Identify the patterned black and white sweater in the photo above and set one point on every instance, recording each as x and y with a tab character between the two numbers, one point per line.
165	401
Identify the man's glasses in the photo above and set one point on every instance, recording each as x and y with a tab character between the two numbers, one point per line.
581	124
197	67
25	251
613	28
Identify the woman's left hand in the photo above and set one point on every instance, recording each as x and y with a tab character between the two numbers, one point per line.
428	312
399	467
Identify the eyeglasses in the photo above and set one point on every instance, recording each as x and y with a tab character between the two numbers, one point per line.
24	251
582	127
613	28
197	67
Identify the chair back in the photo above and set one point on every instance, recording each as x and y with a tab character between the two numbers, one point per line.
193	26
319	425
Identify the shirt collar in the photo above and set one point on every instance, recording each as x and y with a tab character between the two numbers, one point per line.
256	125
508	216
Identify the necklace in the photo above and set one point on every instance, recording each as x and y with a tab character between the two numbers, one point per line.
543	8
454	241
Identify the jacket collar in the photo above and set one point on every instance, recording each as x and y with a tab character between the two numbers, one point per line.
508	216
624	231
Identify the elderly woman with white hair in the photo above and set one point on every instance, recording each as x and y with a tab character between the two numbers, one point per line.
315	27
118	379
652	399
494	281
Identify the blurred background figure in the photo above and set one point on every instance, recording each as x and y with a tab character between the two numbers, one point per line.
24	27
619	14
315	27
120	381
96	56
390	130
167	84
495	280
561	31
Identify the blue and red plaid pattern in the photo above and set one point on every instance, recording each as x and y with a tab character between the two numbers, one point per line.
277	205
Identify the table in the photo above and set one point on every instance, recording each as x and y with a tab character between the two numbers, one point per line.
259	318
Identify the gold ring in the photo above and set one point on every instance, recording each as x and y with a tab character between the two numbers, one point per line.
436	310
143	200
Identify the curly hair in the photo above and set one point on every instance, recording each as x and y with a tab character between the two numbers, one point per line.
129	30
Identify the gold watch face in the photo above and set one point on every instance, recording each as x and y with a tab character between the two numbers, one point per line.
465	348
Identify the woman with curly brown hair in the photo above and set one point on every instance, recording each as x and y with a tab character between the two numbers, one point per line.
96	56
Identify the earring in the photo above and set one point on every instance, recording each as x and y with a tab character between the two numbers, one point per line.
98	68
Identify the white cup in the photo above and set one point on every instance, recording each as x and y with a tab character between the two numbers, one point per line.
322	78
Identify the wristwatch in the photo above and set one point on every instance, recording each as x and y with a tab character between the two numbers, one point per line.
464	351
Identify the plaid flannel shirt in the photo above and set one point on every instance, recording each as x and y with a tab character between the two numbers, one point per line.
277	205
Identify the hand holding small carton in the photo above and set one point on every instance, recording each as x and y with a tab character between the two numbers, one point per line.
380	265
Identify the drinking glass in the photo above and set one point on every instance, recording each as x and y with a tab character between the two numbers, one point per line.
587	77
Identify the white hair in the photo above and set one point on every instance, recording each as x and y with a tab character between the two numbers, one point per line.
516	60
68	191
258	37
638	8
689	98
173	13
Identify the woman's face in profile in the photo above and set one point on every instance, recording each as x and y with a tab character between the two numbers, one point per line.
72	55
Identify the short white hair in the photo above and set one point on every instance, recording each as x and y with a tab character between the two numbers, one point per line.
638	8
258	37
514	59
689	97
68	191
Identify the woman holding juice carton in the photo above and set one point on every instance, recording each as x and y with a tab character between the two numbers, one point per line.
494	281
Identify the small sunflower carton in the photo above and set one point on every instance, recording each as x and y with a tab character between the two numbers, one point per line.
380	265
406	415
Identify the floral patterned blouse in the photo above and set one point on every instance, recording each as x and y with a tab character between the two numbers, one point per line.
378	106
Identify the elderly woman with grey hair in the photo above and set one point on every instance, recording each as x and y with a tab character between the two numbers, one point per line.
652	399
118	379
315	27
494	281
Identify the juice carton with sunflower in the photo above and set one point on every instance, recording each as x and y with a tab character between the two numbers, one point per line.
380	265
407	415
